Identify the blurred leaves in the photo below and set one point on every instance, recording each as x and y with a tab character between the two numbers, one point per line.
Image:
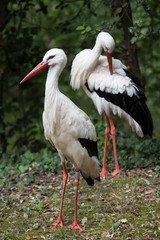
30	29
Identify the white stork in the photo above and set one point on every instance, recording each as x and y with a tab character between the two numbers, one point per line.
112	88
67	128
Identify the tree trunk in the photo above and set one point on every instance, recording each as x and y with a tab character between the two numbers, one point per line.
130	52
3	141
4	18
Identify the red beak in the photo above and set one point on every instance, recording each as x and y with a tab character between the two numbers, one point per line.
109	57
42	65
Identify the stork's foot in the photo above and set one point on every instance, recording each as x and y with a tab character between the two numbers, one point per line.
116	172
58	222
104	172
75	225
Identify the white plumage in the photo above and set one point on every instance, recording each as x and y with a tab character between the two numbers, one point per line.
64	122
110	86
67	127
114	84
97	76
70	124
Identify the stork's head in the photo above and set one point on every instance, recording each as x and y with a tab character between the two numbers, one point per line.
108	44
106	41
53	57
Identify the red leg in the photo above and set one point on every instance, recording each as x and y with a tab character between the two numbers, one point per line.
59	221
104	172
113	130
75	224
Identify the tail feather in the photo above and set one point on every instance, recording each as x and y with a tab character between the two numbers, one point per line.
90	167
89	180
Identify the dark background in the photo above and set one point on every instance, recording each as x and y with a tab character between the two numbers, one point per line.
29	28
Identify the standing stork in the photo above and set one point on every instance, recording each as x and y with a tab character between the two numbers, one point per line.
112	88
67	128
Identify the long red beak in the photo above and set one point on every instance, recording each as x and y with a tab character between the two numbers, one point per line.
42	65
109	57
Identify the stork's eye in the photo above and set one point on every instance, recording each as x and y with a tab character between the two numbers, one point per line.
51	57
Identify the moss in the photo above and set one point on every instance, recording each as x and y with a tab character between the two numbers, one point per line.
105	206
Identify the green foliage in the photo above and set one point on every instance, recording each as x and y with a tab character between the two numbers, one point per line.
132	152
31	27
28	163
138	152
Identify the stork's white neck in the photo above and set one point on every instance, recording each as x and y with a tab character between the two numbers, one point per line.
51	89
97	49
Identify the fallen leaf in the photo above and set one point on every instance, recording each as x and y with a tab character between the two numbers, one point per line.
42	236
123	220
105	234
84	220
147	182
28	238
127	191
25	215
148	192
136	153
114	195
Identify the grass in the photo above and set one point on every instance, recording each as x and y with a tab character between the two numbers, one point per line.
124	207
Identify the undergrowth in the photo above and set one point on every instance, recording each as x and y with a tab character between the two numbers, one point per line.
132	152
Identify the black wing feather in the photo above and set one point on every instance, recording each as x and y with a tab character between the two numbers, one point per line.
133	78
92	150
89	180
90	145
135	106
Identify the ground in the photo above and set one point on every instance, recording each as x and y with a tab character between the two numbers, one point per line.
125	207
